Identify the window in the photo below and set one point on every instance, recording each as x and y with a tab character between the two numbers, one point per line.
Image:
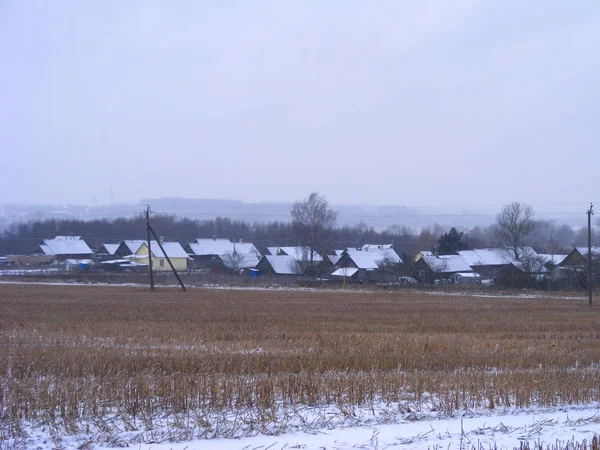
162	263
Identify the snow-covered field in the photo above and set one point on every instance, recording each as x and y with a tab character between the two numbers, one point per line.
562	330
480	430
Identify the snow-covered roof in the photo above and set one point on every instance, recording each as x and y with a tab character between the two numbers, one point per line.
220	247
531	266
283	264
555	260
334	258
364	260
65	245
447	264
494	256
242	260
376	247
584	251
378	255
487	257
224	249
133	245
172	249
344	272
299	253
110	248
467	275
338	252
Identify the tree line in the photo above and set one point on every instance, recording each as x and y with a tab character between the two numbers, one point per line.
314	225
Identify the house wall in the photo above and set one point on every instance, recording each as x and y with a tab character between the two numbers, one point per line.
264	267
422	272
488	272
574	259
74	256
27	260
161	264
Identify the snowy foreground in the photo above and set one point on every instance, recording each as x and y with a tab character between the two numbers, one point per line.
550	426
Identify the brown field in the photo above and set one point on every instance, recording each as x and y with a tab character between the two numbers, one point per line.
78	353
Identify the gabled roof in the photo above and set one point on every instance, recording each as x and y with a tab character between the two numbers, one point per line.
364	260
334	258
584	251
282	264
300	253
344	272
223	248
467	275
530	267
378	254
65	245
494	256
447	264
487	257
220	247
172	249
110	249
555	260
133	245
243	260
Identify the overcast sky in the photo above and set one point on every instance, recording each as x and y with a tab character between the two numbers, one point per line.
424	102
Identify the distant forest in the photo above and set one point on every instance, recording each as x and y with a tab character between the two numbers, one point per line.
547	237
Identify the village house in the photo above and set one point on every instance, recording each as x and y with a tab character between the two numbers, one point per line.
213	253
372	263
488	262
346	273
465	278
551	261
330	262
429	267
174	250
299	253
127	248
519	273
579	257
106	252
280	265
65	247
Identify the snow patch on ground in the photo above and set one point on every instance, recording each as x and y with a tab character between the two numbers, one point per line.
480	429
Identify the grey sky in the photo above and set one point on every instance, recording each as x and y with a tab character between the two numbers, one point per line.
391	102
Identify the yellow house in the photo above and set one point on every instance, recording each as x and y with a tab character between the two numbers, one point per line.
174	250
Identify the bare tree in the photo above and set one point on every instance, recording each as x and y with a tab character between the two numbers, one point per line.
296	266
388	265
233	261
312	220
513	224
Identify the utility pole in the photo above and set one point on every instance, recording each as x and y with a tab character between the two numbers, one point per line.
590	213
149	249
168	259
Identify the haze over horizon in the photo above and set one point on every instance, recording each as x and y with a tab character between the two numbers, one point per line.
436	102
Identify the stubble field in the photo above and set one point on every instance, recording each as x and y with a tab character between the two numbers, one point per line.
117	362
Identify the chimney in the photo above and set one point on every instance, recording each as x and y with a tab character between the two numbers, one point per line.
162	240
241	241
214	237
